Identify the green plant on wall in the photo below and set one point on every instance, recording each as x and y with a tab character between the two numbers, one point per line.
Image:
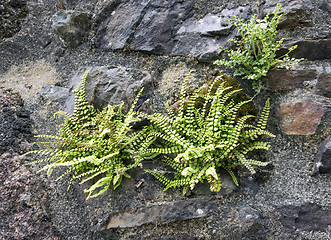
255	52
206	135
93	144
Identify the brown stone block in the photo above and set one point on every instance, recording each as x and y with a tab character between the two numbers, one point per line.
285	80
300	117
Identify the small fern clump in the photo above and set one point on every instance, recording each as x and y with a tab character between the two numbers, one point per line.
255	52
93	144
205	136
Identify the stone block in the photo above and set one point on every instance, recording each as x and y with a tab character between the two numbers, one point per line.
71	26
300	117
293	12
116	24
307	217
159	25
202	38
161	213
285	80
323	86
113	85
322	162
312	49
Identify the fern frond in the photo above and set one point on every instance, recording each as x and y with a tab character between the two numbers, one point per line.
206	137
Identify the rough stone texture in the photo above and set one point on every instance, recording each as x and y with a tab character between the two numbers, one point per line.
115	28
293	12
307	217
194	36
160	212
214	24
164	27
285	80
12	14
71	26
156	30
23	198
323	86
113	85
312	49
15	121
41	67
300	117
322	162
325	5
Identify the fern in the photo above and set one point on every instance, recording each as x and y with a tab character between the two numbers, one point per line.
205	136
93	144
255	52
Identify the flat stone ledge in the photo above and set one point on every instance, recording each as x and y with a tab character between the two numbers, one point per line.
162	212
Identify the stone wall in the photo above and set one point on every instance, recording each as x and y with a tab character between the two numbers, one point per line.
45	47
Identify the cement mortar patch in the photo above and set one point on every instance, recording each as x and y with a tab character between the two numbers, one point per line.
172	80
28	79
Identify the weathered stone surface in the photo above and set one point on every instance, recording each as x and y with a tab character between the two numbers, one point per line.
300	117
322	162
214	24
71	26
175	237
202	38
15	122
159	24
307	217
325	5
323	86
12	14
293	12
117	23
54	93
161	213
113	85
164	27
23	216
285	80
312	49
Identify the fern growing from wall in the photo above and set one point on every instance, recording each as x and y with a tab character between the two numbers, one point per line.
255	52
206	135
93	144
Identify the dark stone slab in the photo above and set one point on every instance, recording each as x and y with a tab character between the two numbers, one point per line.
322	162
54	93
161	213
323	86
202	38
116	23
159	25
164	27
312	49
306	217
285	80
